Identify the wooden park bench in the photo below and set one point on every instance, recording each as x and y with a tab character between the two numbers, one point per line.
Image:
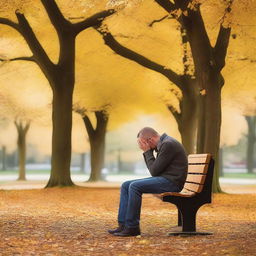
197	191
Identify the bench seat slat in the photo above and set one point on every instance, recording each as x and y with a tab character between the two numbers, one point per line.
196	178
183	193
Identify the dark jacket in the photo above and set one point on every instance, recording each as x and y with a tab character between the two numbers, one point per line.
171	161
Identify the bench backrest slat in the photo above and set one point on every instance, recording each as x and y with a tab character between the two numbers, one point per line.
193	187
197	170
199	158
196	178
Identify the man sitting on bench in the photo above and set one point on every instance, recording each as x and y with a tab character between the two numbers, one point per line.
168	170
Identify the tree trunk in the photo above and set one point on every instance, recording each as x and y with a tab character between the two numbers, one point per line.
22	155
187	121
61	136
60	76
97	158
3	158
62	82
209	122
119	161
82	163
187	129
208	62
97	139
221	170
22	130
251	122
212	133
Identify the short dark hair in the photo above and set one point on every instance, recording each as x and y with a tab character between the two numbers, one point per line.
147	132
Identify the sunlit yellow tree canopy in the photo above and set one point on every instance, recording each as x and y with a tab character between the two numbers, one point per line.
79	79
182	62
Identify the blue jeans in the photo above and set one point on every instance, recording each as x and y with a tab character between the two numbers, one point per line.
131	193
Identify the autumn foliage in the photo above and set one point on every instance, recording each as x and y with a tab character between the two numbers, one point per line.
73	221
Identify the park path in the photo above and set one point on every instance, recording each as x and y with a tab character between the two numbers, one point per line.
38	181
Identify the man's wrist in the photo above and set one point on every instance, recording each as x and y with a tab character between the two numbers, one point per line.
148	151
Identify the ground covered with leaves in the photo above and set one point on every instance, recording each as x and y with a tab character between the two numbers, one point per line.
73	221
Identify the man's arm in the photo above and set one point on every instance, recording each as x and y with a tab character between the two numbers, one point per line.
157	165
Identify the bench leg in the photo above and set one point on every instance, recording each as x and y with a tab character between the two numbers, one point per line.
189	220
179	218
178	228
188	217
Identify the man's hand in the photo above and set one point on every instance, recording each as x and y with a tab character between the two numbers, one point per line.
143	144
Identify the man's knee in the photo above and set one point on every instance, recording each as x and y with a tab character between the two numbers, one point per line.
135	186
126	184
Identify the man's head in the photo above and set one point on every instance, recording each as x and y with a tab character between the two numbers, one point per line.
149	135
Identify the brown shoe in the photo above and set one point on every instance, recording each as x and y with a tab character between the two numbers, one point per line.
129	232
120	228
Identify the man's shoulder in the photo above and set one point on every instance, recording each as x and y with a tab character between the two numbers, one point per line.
167	143
172	143
170	140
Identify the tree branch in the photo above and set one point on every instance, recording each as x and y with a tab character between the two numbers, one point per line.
184	41
131	55
88	126
158	20
221	46
38	52
27	127
174	112
26	58
10	23
94	20
39	55
245	58
17	126
176	94
222	42
55	15
166	4
102	119
22	127
79	110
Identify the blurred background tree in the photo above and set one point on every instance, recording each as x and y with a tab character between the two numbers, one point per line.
137	96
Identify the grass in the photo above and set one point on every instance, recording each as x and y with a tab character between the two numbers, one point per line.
240	175
43	171
14	172
226	175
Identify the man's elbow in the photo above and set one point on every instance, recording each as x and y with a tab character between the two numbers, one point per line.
153	172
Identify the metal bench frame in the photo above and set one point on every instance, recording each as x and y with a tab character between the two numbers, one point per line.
188	202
